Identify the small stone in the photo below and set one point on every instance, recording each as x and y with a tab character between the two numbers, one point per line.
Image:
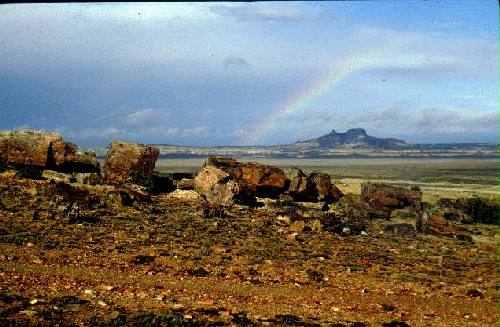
102	303
113	315
29	313
315	225
34	301
107	287
475	293
177	306
297	226
283	219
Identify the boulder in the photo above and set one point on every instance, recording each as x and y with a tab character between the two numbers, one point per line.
221	162
297	186
320	188
435	224
347	216
216	186
267	181
382	199
469	210
186	184
27	148
66	157
262	180
128	162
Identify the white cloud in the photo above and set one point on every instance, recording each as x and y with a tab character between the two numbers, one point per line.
427	120
259	13
147	116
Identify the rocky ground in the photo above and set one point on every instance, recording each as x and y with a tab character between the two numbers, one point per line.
239	244
172	262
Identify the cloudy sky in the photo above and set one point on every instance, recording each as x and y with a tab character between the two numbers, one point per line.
251	73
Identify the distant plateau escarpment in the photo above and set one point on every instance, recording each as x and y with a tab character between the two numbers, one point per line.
355	143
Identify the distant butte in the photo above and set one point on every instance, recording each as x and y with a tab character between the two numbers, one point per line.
352	138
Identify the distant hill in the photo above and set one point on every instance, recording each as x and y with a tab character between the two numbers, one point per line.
351	139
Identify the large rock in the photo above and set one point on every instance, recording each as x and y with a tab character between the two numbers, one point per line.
297	186
317	187
88	178
347	216
217	186
27	148
263	180
469	210
267	181
382	199
186	184
127	162
66	157
321	189
435	224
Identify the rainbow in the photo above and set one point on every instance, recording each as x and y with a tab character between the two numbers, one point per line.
302	101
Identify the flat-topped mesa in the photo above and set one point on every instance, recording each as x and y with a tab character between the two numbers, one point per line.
44	150
128	162
354	137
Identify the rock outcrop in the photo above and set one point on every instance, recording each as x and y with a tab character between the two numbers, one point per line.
217	186
347	216
435	224
382	199
352	138
27	148
320	188
44	150
317	187
66	157
129	162
297	186
262	180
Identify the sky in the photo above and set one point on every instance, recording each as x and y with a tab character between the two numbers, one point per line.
256	73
